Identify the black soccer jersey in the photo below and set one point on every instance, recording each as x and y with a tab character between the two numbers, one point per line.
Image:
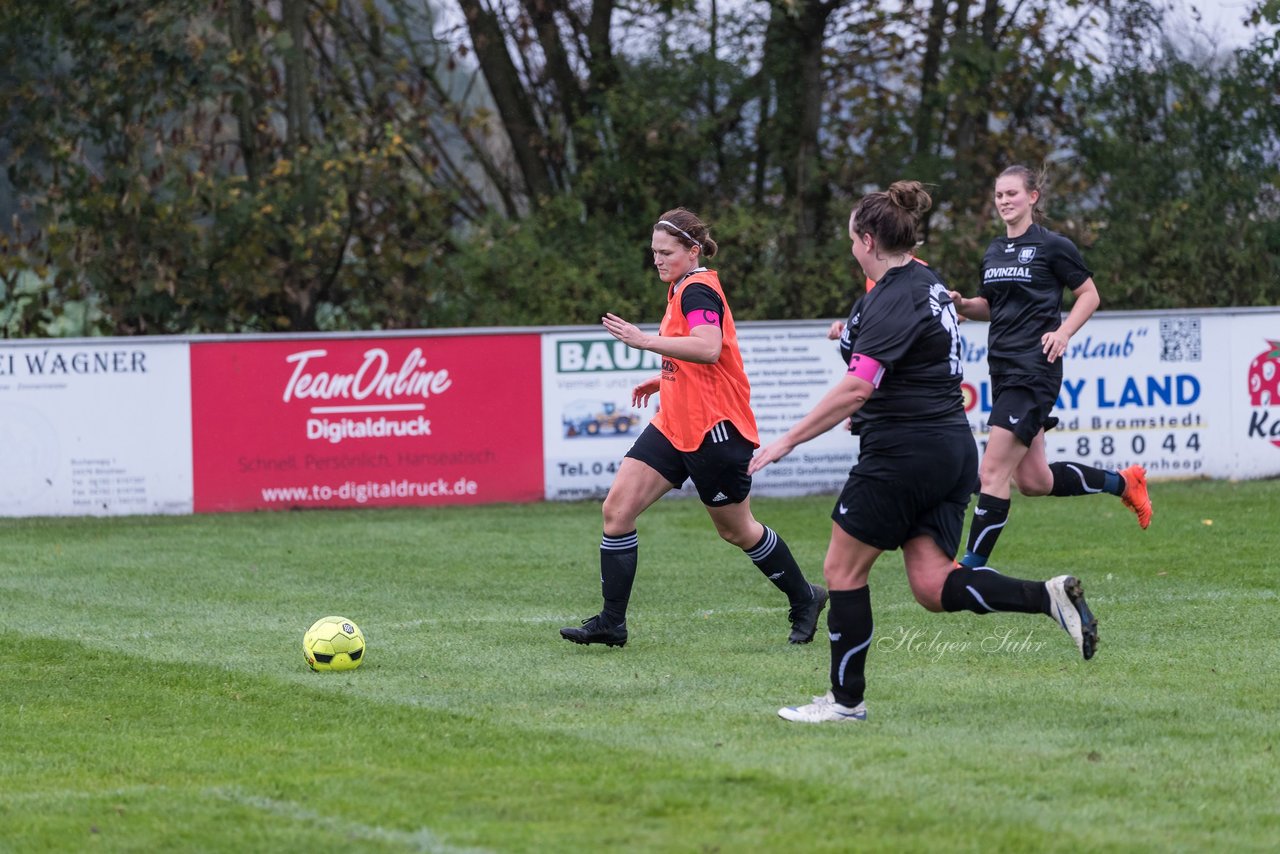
850	333
908	324
1023	279
698	296
848	340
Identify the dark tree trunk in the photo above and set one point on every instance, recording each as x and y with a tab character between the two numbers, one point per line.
514	104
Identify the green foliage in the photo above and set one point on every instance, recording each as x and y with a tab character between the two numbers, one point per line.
31	306
1188	212
156	201
240	166
156	698
555	266
764	283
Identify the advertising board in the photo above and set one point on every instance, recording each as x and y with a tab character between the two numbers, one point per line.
107	426
366	422
94	427
1170	391
589	421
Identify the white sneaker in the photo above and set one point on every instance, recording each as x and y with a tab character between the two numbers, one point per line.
1067	606
822	710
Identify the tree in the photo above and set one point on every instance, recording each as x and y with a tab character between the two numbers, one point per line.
323	164
193	167
1183	155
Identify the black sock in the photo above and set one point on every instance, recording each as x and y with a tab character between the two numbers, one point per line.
849	626
1077	479
617	573
774	559
988	521
985	590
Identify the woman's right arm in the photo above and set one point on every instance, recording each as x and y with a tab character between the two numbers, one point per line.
641	393
975	308
841	401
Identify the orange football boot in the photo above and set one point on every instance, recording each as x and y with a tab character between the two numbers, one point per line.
1135	494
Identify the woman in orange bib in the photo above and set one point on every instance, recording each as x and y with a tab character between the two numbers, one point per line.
704	431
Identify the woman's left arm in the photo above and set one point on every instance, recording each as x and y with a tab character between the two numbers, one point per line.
702	345
1087	300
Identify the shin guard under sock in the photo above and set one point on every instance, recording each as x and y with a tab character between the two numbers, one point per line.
989	518
772	557
849	627
618	556
985	590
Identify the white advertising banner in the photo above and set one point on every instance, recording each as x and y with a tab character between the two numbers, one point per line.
1168	391
1185	394
95	428
104	426
589	422
791	366
1252	392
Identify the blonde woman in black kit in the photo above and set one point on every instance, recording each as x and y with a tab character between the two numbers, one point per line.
1023	276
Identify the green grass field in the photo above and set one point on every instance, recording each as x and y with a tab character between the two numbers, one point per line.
155	695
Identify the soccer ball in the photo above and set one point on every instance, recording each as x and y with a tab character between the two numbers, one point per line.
333	643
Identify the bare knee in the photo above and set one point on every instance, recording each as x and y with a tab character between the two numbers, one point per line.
929	597
993	485
618	519
1035	483
840	577
928	569
741	539
735	524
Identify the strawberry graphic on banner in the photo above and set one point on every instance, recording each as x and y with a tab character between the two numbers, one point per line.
1264	391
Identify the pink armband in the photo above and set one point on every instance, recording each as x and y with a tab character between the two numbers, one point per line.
866	368
702	317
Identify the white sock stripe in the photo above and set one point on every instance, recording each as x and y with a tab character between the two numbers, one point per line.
977	543
766	548
978	597
1080	474
850	654
620	544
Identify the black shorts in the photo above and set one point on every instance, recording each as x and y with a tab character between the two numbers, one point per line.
718	468
910	480
1021	403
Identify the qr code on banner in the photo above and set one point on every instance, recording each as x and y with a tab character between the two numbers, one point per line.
1180	339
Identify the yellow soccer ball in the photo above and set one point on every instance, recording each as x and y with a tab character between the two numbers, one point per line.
333	643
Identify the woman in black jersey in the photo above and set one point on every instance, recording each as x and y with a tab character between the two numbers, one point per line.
917	465
1023	276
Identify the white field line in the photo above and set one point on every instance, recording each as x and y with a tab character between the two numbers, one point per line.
422	839
44	795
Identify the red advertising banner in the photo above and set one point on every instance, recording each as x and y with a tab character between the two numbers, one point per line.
370	422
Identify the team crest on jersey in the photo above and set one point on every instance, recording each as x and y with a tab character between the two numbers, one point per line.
1027	253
